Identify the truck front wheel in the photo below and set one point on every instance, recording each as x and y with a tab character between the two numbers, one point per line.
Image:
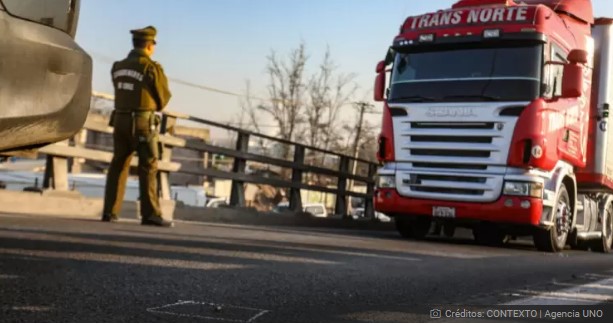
416	228
554	238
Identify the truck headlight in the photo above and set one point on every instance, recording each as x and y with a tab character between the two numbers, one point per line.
386	181
527	189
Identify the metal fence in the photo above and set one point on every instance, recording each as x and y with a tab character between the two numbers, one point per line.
299	171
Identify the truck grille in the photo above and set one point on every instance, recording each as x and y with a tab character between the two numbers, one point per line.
447	184
453	144
451	160
452	125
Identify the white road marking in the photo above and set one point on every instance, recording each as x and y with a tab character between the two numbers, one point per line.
159	310
6	277
551	301
32	309
594	286
587	294
164	248
256	316
123	259
596	276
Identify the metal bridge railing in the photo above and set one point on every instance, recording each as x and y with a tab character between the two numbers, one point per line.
59	154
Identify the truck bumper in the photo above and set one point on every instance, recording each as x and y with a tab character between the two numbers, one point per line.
389	202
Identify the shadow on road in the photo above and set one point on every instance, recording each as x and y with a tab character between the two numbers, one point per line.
58	270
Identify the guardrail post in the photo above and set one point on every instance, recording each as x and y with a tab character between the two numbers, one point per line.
56	172
166	156
295	200
76	164
341	195
48	172
237	196
60	174
369	210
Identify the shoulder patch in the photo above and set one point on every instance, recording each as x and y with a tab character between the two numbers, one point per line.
128	73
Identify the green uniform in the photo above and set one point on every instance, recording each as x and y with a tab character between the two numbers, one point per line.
141	89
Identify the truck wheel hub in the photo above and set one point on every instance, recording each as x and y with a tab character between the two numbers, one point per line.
562	219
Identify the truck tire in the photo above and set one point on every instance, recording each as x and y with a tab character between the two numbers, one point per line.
489	235
581	246
413	228
605	244
554	239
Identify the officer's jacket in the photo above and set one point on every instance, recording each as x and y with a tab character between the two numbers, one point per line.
140	83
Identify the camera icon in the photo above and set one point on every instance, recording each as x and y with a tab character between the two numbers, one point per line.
435	313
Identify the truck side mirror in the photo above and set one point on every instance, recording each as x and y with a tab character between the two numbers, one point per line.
578	56
572	82
379	94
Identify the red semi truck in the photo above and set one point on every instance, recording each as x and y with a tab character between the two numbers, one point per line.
495	119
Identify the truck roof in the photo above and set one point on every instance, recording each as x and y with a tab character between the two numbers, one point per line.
578	9
511	17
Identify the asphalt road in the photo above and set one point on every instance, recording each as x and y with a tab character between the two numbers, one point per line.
85	271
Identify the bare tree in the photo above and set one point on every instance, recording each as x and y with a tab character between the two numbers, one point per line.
248	117
329	91
361	137
305	108
369	142
287	93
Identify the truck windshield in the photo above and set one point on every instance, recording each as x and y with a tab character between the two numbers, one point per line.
511	73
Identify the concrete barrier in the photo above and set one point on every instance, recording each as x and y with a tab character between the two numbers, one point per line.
71	204
67	204
245	216
50	203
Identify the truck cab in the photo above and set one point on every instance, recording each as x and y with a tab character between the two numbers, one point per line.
45	77
489	121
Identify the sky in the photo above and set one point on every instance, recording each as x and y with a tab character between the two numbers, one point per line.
223	43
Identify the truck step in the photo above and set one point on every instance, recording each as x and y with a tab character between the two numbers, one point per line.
588	236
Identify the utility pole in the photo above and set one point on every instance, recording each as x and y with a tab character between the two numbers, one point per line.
363	108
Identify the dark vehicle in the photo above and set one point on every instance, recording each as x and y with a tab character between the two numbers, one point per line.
45	76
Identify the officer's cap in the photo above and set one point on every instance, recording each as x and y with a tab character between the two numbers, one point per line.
147	33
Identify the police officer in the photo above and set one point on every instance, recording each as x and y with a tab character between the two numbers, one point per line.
141	90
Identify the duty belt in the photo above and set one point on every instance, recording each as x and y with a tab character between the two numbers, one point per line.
133	114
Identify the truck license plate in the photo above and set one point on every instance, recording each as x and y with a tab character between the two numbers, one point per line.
444	212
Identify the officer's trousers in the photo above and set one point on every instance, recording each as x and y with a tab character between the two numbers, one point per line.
128	138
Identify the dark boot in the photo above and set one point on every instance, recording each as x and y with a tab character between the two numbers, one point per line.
108	218
156	221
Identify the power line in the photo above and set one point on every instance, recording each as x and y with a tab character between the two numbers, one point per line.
107	59
262	126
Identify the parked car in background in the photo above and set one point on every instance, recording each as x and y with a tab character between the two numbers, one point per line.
217	202
189	196
315	209
281	208
358	213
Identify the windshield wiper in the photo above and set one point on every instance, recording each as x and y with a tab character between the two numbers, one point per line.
415	99
484	97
